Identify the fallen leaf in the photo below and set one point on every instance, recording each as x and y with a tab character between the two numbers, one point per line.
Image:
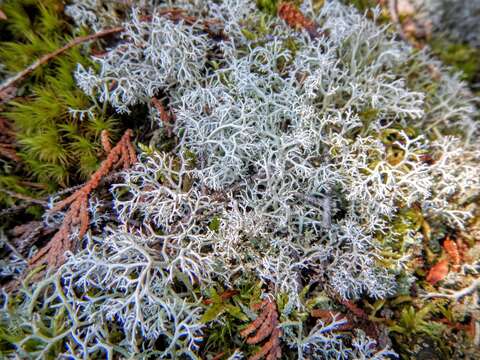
438	272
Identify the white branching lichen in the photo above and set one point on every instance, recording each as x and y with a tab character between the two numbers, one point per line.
295	156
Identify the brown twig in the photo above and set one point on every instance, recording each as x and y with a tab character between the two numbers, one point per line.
122	155
167	117
10	84
350	305
8	151
328	316
265	326
105	139
219	356
7	140
25	197
25	235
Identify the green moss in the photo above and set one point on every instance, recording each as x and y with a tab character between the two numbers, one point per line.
461	57
32	29
268	6
57	148
227	317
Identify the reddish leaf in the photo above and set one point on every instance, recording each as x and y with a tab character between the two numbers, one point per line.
438	272
452	251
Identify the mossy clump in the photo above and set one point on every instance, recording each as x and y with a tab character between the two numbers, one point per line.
57	128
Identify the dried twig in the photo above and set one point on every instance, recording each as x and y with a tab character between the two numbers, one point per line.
263	327
167	117
360	313
123	154
456	295
25	235
10	84
8	151
328	316
24	197
7	140
452	250
105	139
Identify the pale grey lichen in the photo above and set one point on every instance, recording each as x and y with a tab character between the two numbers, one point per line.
313	145
294	157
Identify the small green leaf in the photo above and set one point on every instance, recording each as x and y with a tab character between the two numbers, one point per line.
236	312
248	35
212	313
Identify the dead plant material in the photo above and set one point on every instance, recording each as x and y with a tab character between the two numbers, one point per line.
265	326
3	16
328	316
122	155
219	356
26	235
295	19
7	135
213	27
167	117
452	250
24	197
354	309
7	94
438	272
7	141
105	139
8	151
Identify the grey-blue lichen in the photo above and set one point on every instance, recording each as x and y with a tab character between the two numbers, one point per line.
304	150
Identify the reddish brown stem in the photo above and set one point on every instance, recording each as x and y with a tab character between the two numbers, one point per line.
77	216
11	82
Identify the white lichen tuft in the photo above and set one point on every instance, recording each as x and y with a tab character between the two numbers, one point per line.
295	157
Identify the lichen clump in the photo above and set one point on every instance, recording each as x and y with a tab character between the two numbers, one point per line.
306	168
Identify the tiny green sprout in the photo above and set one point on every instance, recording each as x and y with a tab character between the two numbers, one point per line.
414	321
214	224
368	115
191	157
147	149
248	34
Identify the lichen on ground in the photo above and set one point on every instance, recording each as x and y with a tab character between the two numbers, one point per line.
305	186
